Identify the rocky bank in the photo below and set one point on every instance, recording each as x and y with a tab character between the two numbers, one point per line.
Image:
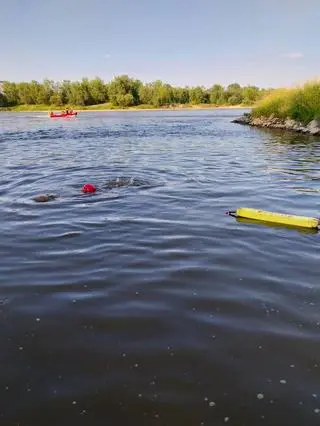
272	122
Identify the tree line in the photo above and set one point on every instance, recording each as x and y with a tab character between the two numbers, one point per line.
124	91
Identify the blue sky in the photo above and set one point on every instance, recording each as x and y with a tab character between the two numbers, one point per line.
263	42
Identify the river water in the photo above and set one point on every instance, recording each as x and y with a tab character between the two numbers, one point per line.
144	303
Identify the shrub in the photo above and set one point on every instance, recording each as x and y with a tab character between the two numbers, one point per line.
300	103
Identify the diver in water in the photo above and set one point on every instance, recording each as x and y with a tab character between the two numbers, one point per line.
87	188
90	188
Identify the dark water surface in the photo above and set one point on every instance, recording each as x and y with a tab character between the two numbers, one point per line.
144	304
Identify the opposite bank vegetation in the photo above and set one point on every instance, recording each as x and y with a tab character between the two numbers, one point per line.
296	109
121	92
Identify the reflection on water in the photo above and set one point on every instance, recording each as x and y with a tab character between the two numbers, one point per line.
144	303
293	159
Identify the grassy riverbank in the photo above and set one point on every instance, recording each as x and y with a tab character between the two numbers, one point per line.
111	107
300	103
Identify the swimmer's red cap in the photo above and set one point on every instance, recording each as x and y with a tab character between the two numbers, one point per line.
88	187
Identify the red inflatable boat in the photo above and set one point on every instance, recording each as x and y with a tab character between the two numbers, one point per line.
63	114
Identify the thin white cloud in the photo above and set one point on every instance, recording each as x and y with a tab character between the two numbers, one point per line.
294	55
107	56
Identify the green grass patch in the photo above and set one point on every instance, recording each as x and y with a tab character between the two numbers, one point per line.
299	103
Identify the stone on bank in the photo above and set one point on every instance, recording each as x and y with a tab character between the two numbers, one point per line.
272	122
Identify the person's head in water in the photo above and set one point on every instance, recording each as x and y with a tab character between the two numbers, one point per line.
44	198
88	187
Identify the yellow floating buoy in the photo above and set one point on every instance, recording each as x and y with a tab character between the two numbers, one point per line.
285	219
302	229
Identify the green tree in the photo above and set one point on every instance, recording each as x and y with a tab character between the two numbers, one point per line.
85	89
217	95
45	91
198	95
3	100
146	93
234	94
180	95
25	94
161	94
55	99
10	91
35	89
98	91
120	87
64	90
77	94
125	100
250	94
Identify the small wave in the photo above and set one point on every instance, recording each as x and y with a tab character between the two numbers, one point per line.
126	182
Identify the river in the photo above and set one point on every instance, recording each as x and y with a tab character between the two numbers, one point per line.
144	303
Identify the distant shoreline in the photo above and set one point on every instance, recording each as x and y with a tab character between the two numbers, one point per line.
40	108
164	109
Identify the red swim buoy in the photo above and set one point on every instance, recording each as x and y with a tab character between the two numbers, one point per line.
88	187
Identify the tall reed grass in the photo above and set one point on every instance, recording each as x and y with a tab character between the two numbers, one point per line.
299	103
